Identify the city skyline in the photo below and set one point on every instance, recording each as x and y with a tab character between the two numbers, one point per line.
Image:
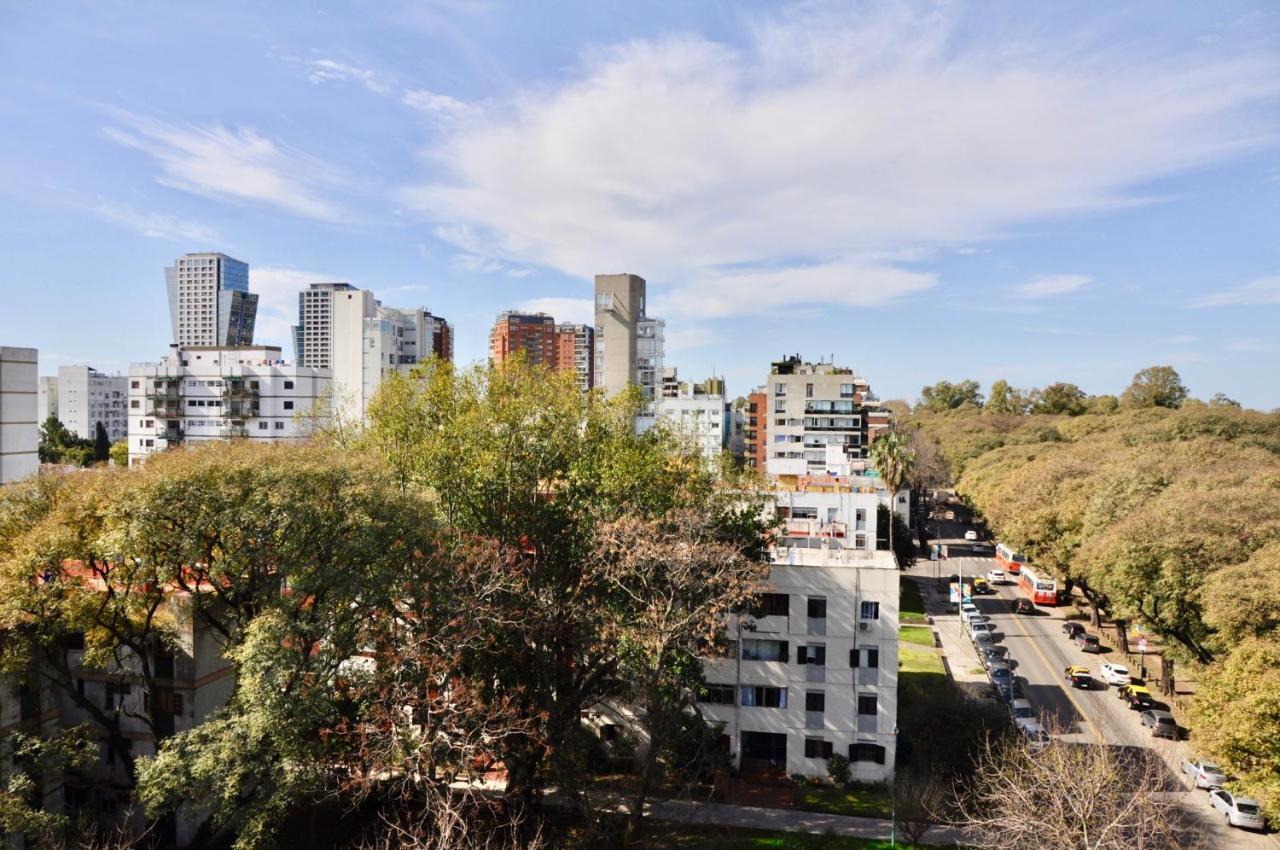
1035	195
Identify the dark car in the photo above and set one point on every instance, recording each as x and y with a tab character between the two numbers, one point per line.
993	654
1083	681
1139	698
1023	606
1071	629
1088	643
1000	674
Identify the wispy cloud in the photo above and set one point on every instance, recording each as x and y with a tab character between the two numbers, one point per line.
488	265
434	104
1263	290
1257	346
330	70
830	138
1048	286
278	289
236	164
155	225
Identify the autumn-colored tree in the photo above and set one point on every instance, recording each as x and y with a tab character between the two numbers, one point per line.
945	395
1155	386
1005	400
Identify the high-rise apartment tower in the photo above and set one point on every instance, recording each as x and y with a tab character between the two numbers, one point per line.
209	301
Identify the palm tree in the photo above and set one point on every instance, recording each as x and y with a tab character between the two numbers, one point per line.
893	459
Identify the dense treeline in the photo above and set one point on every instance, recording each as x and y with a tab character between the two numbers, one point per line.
1164	512
450	589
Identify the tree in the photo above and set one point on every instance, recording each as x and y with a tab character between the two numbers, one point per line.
1070	797
1060	398
1102	405
1223	400
119	453
1155	386
1005	400
921	800
893	459
1243	600
59	445
944	396
101	443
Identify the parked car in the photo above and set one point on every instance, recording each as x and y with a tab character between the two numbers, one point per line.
971	535
1000	673
1205	774
1022	605
968	609
1239	811
976	620
1138	698
1033	730
1115	674
983	639
1088	643
1162	724
1071	628
1021	710
992	654
995	576
976	629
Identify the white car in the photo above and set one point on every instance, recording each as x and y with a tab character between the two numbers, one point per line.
1205	774
969	611
1034	731
1021	710
996	577
971	535
976	629
1115	674
974	620
1239	811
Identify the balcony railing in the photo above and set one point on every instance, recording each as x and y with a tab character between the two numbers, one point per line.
815	528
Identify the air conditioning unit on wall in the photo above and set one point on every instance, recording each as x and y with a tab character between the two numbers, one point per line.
864	626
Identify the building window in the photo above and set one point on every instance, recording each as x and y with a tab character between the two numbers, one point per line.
779	389
764	650
135	385
869	611
817	607
815	701
772	605
134	404
867	704
288	405
262	426
866	751
279	426
288	385
808	390
816	748
764	697
814	653
716	694
867	656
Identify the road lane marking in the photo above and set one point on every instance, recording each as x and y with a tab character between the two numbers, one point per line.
1052	668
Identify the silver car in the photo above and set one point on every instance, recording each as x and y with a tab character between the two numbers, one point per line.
1205	774
1239	811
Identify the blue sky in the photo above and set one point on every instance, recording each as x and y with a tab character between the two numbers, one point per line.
923	190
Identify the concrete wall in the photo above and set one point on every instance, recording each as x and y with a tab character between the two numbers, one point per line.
19	430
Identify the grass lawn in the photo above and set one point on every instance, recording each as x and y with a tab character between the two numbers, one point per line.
670	836
868	801
911	604
922	635
921	676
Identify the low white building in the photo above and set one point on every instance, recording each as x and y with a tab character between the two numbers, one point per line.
201	394
87	397
813	671
699	418
19	430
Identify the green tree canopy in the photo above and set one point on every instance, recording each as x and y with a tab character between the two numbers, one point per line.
945	395
1155	386
1060	398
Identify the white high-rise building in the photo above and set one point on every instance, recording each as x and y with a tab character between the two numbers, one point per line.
814	671
87	397
19	431
201	394
209	301
697	413
47	400
345	329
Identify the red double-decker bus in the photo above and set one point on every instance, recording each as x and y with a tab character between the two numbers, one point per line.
1009	560
1041	590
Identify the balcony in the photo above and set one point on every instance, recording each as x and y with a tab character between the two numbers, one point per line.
171	435
238	388
815	528
232	432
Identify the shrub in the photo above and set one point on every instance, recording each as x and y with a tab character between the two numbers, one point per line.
838	769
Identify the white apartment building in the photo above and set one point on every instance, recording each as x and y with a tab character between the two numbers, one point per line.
202	394
813	671
209	301
47	399
701	418
87	397
19	430
345	329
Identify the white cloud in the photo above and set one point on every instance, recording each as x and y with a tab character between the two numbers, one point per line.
1263	290
580	311
278	289
329	70
433	104
229	164
826	140
1253	345
155	225
1047	286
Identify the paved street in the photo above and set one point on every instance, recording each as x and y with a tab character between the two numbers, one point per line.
1041	652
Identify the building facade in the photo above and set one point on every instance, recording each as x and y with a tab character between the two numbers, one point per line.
198	395
576	350
347	331
815	406
629	344
87	397
47	399
210	303
700	418
19	430
813	670
533	335
755	434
